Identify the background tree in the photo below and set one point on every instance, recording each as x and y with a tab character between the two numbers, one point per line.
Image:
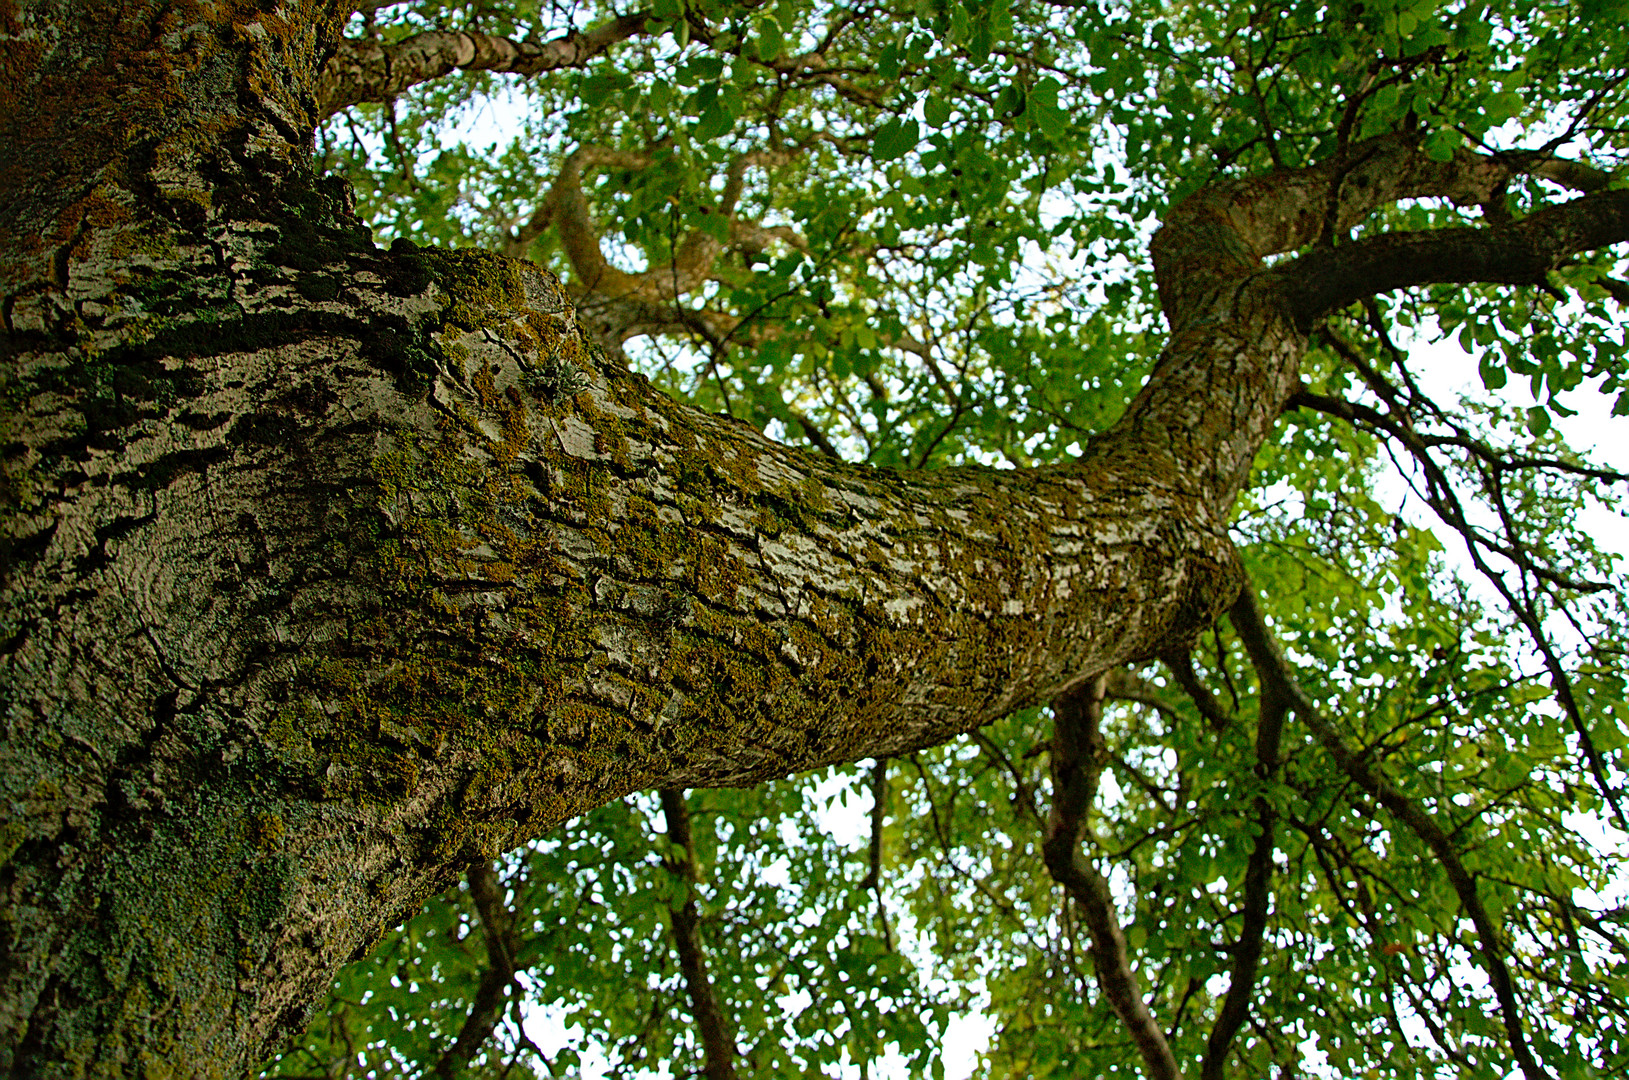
435	573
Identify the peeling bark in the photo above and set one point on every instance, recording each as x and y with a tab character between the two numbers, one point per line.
329	571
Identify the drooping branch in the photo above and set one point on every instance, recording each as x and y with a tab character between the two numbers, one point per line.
1419	447
874	853
714	1027
1181	665
1440	495
1254	631
1078	757
372	71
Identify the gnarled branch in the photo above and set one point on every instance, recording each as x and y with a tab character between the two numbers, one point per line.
371	71
1078	756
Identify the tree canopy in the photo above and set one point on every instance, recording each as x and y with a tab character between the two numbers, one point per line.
1360	820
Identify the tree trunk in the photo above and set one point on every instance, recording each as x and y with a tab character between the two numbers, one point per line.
330	570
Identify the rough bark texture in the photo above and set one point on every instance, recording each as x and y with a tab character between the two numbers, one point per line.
328	571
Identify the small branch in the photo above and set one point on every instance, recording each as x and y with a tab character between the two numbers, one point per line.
1235	1009
1078	757
498	932
1181	666
1023	794
1443	500
816	437
879	814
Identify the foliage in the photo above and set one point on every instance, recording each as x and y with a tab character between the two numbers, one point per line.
938	254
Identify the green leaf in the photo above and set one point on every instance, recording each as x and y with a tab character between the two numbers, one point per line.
1050	119
770	40
1502	106
895	139
714	121
1441	144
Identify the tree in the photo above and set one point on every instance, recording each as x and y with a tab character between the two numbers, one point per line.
334	570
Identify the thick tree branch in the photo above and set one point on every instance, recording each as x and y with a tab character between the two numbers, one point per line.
1254	632
694	256
567	209
1519	253
1218	236
1078	757
714	1027
371	71
447	576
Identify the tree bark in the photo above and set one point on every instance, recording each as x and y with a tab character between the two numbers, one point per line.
328	571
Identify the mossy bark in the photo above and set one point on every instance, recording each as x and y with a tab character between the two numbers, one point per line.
330	570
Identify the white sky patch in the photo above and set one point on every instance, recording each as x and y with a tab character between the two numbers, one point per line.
1445	372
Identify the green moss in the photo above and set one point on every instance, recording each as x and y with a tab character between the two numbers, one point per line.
317	287
480	289
265	832
12	835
